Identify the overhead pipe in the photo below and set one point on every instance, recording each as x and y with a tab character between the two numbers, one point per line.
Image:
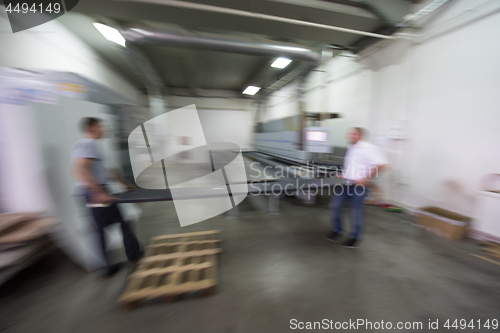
244	13
259	47
206	41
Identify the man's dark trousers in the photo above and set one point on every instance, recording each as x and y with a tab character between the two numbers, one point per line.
105	216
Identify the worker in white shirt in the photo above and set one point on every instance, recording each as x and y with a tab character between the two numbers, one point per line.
363	162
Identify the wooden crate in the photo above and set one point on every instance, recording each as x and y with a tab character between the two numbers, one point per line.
174	265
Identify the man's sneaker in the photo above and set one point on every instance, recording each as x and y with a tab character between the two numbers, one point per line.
334	236
350	243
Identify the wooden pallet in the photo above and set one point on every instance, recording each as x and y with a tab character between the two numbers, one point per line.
187	237
23	240
30	230
11	221
492	249
194	241
174	265
179	247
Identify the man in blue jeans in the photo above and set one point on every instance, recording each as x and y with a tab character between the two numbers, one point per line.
93	177
363	162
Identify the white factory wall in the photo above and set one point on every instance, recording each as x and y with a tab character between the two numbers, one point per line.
51	46
283	103
445	92
223	119
453	115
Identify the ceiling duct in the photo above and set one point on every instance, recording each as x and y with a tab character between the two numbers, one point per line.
205	41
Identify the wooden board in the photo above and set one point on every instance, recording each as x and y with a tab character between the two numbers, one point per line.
492	249
165	248
11	220
191	236
176	259
29	231
172	268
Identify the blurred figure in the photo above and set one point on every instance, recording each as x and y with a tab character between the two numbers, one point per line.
363	162
92	176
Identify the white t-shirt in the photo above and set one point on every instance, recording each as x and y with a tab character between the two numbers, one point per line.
89	148
360	158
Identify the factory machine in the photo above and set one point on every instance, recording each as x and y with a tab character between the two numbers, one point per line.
284	142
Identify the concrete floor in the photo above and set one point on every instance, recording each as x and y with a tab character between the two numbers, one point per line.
274	268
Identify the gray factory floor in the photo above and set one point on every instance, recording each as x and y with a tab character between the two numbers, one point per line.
273	268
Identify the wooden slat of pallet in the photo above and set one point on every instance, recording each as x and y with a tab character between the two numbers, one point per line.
495	255
134	284
163	257
14	246
171	269
493	252
164	248
168	290
175	278
32	230
11	220
492	245
492	249
184	239
198	246
189	234
174	285
152	281
175	260
197	259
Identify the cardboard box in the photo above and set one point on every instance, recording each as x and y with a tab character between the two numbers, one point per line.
442	222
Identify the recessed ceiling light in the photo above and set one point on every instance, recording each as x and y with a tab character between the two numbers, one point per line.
110	33
281	63
251	90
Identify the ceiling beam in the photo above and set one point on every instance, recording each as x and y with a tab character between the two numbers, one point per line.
248	14
367	6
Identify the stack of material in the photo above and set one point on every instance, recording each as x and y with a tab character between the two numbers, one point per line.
23	240
174	265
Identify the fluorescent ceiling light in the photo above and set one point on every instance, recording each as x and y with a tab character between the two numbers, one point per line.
281	63
110	33
251	90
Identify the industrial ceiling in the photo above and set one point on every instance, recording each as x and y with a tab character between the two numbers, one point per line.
301	22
